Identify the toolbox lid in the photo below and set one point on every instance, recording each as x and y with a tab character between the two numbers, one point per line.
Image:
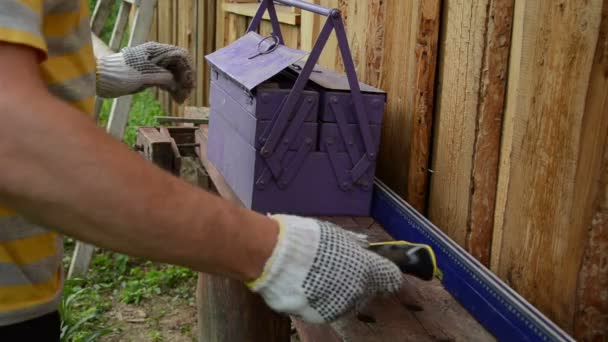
331	80
235	60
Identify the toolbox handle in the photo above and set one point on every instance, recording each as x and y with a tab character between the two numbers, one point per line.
269	152
307	6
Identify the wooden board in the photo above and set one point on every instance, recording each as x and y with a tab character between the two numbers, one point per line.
422	311
291	34
591	316
165	34
488	130
552	152
284	13
462	47
427	33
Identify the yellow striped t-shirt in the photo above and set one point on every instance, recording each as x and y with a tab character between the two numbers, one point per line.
31	275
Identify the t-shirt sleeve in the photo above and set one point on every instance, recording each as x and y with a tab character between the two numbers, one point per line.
21	23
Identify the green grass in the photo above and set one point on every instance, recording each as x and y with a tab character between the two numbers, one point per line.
143	112
112	278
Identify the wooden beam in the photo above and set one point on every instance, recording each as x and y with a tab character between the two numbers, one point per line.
398	80
424	101
284	13
235	27
591	316
100	15
462	47
120	26
554	151
486	149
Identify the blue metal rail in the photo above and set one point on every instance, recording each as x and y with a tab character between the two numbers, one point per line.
503	312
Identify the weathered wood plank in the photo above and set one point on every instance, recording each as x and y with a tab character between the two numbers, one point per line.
462	46
546	206
397	79
120	26
424	100
291	33
220	29
100	15
284	13
165	32
488	130
591	317
235	27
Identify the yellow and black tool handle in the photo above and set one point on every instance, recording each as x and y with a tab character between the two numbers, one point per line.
414	259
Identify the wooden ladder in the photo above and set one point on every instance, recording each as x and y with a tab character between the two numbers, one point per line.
119	112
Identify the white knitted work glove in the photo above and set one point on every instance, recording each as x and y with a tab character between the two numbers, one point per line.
150	64
319	272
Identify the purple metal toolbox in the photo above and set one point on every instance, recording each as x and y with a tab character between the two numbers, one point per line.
290	136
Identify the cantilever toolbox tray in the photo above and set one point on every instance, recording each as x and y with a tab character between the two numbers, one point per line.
290	136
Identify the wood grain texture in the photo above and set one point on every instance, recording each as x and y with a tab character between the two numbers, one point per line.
291	33
235	27
462	50
486	149
165	34
330	55
550	183
591	317
397	79
427	34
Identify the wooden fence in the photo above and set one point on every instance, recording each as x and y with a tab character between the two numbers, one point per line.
496	125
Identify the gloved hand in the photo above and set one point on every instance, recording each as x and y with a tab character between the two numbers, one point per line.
318	272
150	64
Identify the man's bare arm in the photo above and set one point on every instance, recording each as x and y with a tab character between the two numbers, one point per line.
60	170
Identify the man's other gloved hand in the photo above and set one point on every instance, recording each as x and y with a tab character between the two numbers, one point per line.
318	272
150	64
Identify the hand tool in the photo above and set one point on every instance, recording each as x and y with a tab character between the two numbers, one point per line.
414	259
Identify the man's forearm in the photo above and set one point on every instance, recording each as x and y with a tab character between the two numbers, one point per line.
72	177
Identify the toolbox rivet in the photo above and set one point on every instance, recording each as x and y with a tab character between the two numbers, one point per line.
309	100
351	143
334	99
308	141
286	141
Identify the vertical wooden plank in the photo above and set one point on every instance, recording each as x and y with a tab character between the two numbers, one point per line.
462	47
210	41
422	120
120	26
549	189
591	317
100	15
310	26
236	26
165	31
329	57
221	18
184	40
291	33
398	79
490	112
